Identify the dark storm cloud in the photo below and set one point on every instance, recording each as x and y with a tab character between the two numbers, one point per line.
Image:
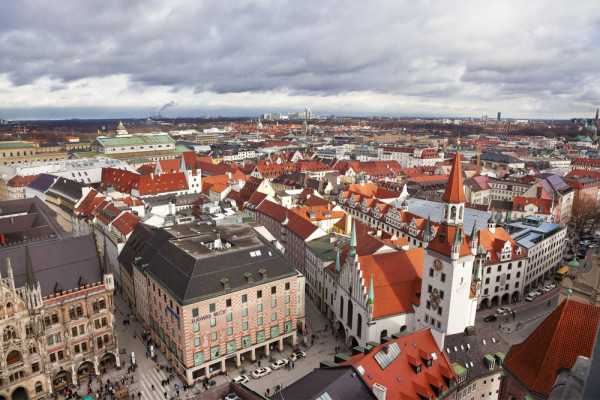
429	50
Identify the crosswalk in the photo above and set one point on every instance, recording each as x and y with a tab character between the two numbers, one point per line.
147	379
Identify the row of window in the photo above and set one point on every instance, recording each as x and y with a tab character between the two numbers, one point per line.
212	307
75	312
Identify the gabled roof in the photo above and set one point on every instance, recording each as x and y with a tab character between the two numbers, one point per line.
568	332
126	222
442	242
399	376
397	280
455	192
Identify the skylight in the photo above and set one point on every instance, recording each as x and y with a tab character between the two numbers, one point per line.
384	359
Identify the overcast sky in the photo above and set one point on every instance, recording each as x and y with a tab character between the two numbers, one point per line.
115	58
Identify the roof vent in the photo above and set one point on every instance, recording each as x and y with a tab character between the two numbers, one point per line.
249	277
263	273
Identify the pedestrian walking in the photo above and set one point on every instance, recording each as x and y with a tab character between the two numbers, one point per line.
139	395
293	365
153	388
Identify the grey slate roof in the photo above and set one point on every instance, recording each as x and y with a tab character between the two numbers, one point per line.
68	262
42	182
67	190
498	157
460	353
189	270
423	208
139	236
36	220
342	382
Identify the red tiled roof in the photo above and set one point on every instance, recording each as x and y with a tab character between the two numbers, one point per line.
396	280
568	332
445	246
455	193
525	201
126	222
86	201
170	165
372	190
21	181
399	377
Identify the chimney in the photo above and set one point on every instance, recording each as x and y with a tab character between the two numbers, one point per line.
151	175
379	391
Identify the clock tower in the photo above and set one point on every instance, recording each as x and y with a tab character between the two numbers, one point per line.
447	299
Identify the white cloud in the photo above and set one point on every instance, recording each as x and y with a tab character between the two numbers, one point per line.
463	58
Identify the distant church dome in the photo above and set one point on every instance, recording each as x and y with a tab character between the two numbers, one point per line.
121	129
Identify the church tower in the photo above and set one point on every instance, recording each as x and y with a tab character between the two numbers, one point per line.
447	301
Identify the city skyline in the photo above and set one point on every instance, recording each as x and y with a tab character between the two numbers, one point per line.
455	59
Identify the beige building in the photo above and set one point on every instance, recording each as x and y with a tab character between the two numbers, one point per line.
56	308
17	152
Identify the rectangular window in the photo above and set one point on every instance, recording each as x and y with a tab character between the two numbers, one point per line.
259	321
274	331
229	330
228	303
196	326
194	312
245	325
213	337
260	336
198	358
57	337
274	316
212	307
287	312
244	312
287	286
244	298
287	327
197	342
273	289
273	303
213	321
246	341
229	316
259	307
259	294
230	346
214	352
287	299
443	277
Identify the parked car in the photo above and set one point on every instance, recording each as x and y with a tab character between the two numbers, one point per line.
531	296
260	372
232	396
279	364
545	289
490	318
296	355
240	379
503	310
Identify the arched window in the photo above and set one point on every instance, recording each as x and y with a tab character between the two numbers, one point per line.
341	307
9	333
359	325
71	312
32	348
13	357
55	319
102	303
350	312
79	310
47	320
9	308
460	212
453	212
95	306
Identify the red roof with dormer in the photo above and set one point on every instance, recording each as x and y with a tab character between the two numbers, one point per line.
399	377
126	222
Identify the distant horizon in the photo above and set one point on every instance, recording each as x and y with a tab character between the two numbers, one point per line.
103	113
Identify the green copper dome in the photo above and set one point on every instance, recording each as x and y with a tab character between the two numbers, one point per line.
574	263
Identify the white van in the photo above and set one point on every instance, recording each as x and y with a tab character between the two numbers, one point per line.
531	296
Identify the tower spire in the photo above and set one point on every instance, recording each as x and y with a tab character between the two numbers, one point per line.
31	282
455	192
427	231
371	297
353	239
337	261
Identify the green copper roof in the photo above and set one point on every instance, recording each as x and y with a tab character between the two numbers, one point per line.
353	239
371	298
456	239
427	231
337	261
135	140
474	231
574	263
